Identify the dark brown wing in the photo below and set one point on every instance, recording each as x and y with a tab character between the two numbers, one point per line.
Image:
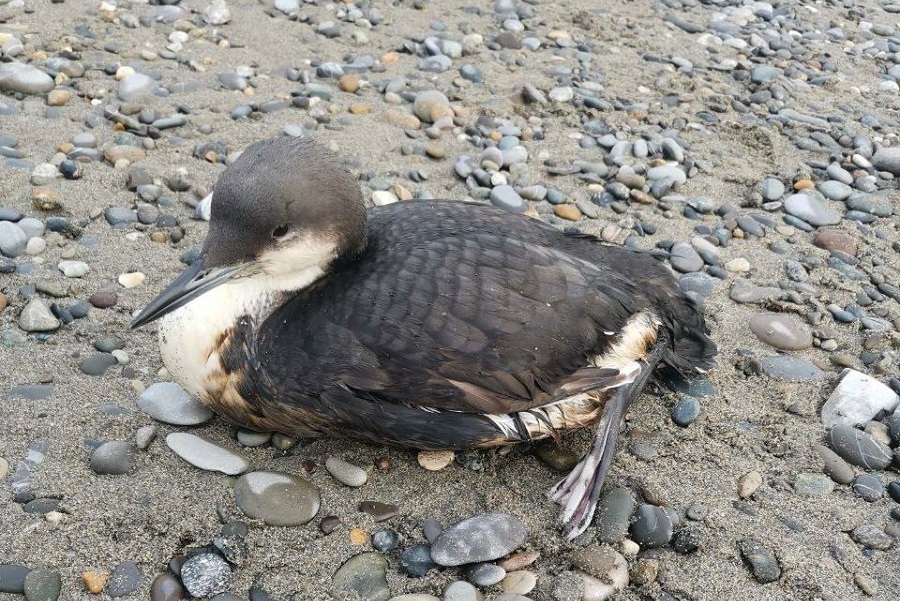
452	307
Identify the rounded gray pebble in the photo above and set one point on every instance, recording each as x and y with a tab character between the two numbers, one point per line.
125	579
42	585
652	526
113	458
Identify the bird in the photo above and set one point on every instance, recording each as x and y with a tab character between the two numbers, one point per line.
425	324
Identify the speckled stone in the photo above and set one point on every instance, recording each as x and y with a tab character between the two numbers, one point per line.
42	585
125	579
482	538
345	472
205	575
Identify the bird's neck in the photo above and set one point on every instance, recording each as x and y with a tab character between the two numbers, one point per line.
192	338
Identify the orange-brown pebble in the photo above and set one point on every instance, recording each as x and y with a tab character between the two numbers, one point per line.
94	581
518	561
349	82
3	302
389	58
65	147
402	120
158	237
358	536
360	108
383	463
803	184
565	211
641	197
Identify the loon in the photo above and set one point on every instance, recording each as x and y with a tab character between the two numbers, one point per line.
426	324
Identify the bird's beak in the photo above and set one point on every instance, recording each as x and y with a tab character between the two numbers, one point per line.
194	281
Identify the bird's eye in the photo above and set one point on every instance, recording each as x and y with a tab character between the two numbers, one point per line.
280	231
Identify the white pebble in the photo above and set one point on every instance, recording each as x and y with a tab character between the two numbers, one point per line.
130	280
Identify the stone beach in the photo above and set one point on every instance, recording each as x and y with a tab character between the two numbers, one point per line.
752	146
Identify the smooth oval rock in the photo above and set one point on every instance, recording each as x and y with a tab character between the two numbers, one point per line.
206	454
482	538
277	498
781	331
25	79
135	86
125	579
762	561
858	448
614	509
170	403
652	526
811	210
113	458
36	317
365	575
345	472
42	585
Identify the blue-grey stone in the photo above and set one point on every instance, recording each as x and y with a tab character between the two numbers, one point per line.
686	411
416	561
507	198
482	538
652	526
785	367
858	448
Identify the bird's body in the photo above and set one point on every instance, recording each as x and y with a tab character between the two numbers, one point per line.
436	325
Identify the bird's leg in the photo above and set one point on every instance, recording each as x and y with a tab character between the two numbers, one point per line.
578	492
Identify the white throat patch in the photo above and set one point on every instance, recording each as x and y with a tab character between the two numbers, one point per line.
190	337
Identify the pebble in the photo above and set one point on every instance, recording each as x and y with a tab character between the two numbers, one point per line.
869	487
484	537
686	411
435	460
785	367
42	585
113	458
857	399
613	514
277	498
125	579
811	210
346	473
872	537
652	526
431	105
835	467
36	317
132	280
520	582
12	578
25	79
385	541
684	258
365	575
781	331
380	511
811	485
171	404
886	159
94	581
605	587
206	454
461	591
748	484
205	575
96	364
507	198
858	448
416	561
13	239
761	560
485	574
166	587
135	86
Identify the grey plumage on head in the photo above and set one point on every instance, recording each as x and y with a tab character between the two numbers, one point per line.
284	181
